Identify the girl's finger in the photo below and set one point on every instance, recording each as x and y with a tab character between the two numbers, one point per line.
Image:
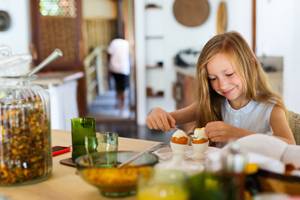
153	124
165	122
150	123
158	124
218	139
212	134
172	121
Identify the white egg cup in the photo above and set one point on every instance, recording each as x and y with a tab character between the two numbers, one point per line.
178	151
199	150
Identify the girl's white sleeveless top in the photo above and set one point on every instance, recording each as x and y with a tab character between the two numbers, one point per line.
255	116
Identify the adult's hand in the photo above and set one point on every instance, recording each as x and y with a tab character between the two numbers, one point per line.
159	119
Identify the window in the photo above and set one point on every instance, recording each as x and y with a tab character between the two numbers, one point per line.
65	8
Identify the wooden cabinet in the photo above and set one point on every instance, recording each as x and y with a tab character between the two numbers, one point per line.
184	93
184	90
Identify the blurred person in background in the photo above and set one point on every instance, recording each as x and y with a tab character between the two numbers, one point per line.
119	67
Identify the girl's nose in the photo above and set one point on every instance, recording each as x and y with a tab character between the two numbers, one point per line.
223	84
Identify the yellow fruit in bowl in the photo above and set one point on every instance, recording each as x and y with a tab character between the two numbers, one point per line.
100	170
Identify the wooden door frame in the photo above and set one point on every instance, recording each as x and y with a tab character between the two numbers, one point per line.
121	26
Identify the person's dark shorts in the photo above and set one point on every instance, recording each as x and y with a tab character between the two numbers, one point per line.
121	80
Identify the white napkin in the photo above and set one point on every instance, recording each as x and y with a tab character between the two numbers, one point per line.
266	163
265	145
292	155
264	150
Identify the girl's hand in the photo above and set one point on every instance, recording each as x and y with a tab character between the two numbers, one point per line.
159	119
219	131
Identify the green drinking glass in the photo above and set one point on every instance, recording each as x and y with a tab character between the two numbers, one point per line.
83	129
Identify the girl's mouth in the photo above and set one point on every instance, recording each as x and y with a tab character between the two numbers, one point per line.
225	93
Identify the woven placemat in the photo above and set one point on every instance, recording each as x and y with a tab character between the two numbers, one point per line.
191	13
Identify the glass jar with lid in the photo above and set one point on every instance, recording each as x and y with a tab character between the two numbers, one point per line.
25	140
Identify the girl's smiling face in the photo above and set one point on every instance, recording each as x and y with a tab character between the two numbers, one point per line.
225	80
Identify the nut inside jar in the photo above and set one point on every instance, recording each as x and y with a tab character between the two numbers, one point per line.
25	153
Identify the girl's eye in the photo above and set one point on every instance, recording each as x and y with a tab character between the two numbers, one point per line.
211	78
230	74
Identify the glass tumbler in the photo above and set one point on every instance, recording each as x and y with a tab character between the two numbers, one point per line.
107	141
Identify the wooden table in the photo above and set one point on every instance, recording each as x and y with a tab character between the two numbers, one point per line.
64	183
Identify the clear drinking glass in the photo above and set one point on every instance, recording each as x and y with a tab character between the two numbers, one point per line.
107	141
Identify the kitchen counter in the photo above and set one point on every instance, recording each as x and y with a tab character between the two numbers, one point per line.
57	78
64	182
62	87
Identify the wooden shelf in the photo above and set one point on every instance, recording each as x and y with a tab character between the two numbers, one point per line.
154	37
151	94
154	67
153	6
155	96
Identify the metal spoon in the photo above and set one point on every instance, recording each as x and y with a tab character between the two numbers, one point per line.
53	56
148	150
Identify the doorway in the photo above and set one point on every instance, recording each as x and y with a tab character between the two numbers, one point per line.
86	31
111	19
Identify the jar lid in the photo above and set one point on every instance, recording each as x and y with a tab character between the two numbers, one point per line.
15	65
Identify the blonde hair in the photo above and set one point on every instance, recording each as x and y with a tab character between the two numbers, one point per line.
247	67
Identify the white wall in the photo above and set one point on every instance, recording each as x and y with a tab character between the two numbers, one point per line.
140	60
278	35
178	37
292	81
18	35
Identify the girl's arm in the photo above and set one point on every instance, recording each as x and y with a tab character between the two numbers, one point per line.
185	115
280	125
159	119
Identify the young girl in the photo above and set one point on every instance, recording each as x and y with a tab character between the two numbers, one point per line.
234	97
